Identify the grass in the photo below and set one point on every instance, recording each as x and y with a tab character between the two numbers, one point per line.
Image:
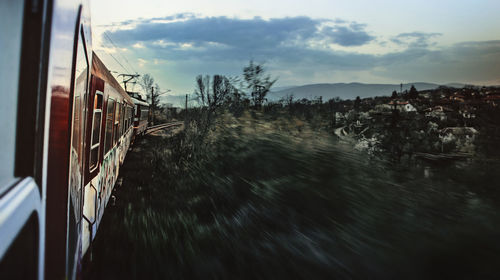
276	199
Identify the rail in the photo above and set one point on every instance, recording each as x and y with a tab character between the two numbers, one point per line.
162	126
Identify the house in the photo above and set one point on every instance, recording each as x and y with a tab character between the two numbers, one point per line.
493	100
467	112
457	97
402	106
438	109
439	112
462	138
425	94
381	108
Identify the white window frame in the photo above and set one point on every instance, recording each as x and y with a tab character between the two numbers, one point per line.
97	92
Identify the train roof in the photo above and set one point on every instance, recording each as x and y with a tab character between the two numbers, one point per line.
100	70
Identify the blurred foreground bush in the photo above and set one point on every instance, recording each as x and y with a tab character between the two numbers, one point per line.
253	198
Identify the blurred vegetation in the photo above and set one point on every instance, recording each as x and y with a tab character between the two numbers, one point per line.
265	191
277	199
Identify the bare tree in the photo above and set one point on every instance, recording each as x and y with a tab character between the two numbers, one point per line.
146	82
221	88
153	92
202	90
212	95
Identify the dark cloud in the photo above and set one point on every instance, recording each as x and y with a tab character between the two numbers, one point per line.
294	47
244	34
236	33
415	39
235	41
347	36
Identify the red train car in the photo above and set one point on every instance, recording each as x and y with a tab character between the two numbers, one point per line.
108	136
66	127
141	116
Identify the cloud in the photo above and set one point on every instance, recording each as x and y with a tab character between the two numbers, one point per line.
348	36
255	33
141	62
232	40
138	45
299	50
415	39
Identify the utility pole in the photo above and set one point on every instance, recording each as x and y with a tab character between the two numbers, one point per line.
185	109
127	78
153	105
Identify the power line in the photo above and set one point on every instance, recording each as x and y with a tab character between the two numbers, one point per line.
108	46
115	60
127	78
112	42
124	75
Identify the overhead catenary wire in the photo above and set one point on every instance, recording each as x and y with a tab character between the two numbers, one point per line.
124	60
108	37
121	65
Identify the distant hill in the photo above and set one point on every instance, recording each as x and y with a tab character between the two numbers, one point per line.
346	90
327	91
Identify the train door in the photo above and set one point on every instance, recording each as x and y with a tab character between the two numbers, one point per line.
23	68
76	169
94	151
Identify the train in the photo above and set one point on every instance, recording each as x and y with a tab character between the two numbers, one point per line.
67	125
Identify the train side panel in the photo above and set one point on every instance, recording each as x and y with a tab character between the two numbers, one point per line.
69	61
73	128
109	134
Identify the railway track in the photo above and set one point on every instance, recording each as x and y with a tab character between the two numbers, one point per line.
162	126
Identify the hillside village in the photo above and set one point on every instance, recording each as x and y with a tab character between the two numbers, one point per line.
439	124
444	123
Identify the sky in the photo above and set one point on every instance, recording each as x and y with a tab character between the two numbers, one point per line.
301	42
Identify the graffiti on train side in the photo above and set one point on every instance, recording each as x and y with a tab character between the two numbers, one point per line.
109	173
99	190
75	180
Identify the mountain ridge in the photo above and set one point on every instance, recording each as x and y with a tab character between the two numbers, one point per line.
330	90
348	90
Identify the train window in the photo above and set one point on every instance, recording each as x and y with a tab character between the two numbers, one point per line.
125	120
117	123
130	110
79	111
96	130
122	119
11	13
127	117
110	111
144	114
